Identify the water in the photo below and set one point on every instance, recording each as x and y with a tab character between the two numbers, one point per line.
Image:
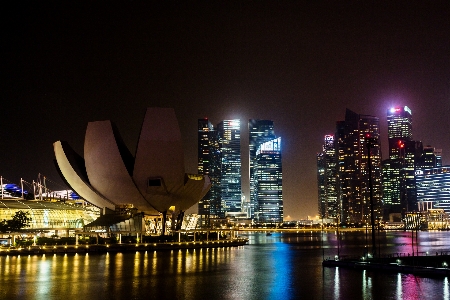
280	266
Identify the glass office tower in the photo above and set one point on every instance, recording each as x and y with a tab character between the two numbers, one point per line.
327	179
399	128
209	164
229	142
398	170
260	131
269	182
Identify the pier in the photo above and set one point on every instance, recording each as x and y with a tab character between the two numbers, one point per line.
423	264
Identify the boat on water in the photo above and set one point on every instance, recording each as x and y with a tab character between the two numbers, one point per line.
268	234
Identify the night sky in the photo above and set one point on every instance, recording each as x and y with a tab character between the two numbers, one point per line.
299	64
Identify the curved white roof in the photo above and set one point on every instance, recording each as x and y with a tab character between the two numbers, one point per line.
106	169
153	181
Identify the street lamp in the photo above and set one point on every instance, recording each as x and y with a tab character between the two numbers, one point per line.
370	142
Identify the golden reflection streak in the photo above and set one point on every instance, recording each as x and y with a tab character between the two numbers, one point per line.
154	263
136	266
118	270
180	264
65	265
5	268
86	260
76	267
107	262
54	263
145	264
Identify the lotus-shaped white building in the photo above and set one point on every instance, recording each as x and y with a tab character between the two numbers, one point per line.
153	180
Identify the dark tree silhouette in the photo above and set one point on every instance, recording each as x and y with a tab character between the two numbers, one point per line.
20	220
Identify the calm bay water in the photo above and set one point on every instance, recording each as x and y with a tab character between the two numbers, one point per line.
280	266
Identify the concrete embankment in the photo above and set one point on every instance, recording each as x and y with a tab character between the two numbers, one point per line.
112	248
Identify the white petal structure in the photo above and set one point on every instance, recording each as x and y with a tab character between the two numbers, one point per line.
153	181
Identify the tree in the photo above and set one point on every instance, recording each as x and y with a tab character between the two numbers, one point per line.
20	220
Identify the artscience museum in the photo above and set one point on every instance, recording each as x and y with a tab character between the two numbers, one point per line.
151	182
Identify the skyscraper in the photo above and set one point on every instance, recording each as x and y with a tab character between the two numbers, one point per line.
398	170
209	164
353	167
327	178
432	188
399	128
260	131
269	182
229	142
428	157
219	157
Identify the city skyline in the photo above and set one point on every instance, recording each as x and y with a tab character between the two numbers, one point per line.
298	64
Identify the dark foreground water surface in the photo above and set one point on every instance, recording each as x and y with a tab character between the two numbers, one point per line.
281	266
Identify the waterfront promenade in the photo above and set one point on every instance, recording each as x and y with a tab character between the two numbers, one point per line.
126	247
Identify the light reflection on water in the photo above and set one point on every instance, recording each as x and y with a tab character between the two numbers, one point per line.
280	266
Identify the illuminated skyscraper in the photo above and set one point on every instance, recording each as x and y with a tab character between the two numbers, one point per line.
432	188
327	178
353	168
399	183
209	164
219	156
260	131
399	128
268	182
229	138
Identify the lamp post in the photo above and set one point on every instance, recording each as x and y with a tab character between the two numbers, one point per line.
370	142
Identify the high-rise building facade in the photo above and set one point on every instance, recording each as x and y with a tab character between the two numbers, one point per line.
269	182
433	188
428	157
355	183
399	128
229	142
399	186
209	164
219	157
329	207
260	131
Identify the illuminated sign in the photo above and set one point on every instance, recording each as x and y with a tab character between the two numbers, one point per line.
406	108
329	138
234	123
270	146
394	110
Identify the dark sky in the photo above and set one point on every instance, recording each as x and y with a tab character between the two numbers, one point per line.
298	63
